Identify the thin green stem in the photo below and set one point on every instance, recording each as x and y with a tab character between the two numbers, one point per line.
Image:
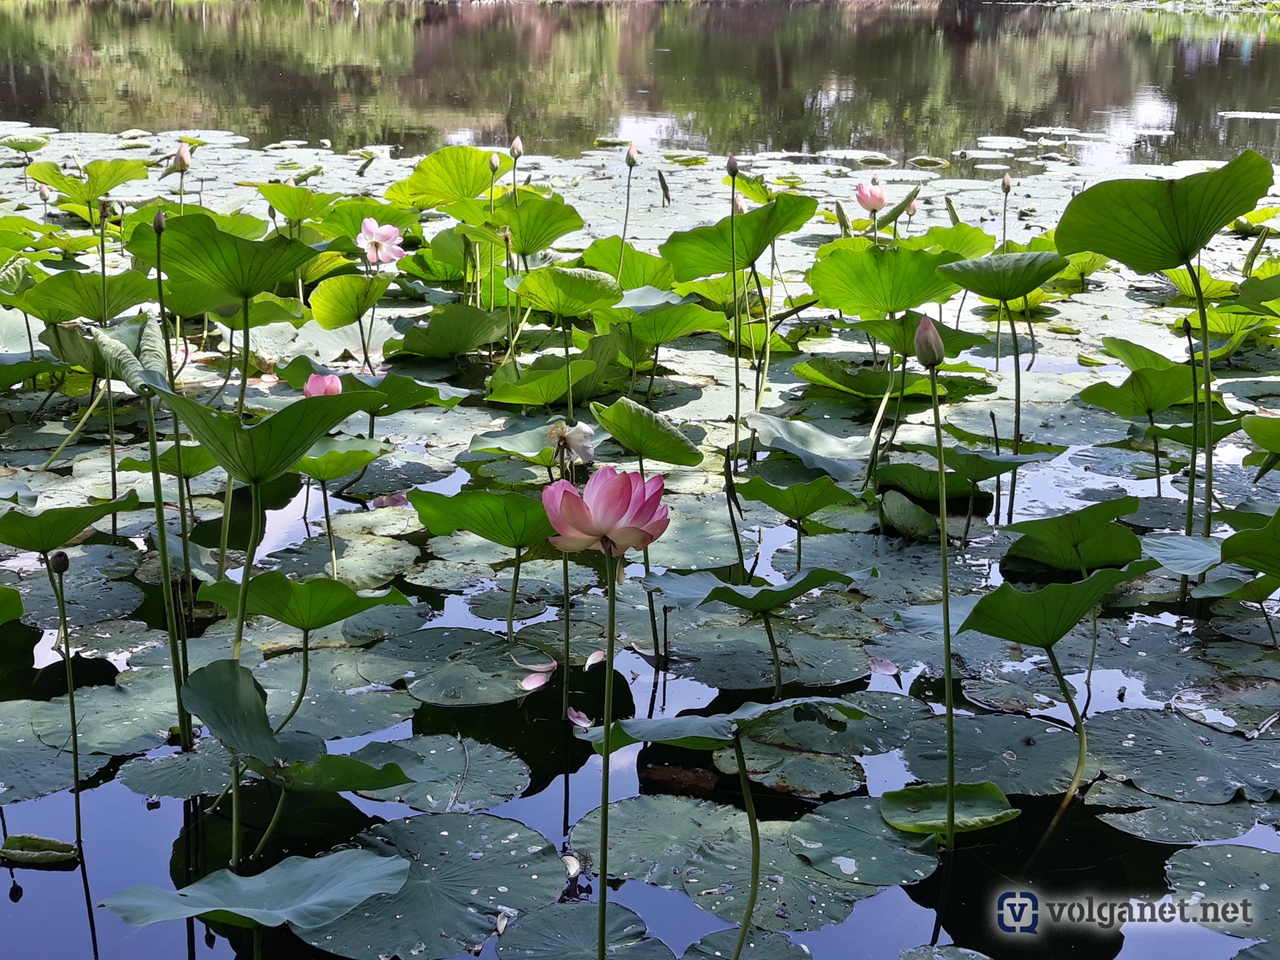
111	448
749	805
73	434
777	660
947	681
64	647
225	533
626	216
1081	752
511	601
246	574
612	568
1207	521
1017	409
271	826
302	686
737	316
244	363
328	529
235	815
564	686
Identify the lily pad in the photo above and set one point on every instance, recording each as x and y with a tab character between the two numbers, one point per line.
1234	704
450	774
849	840
923	808
567	931
1228	874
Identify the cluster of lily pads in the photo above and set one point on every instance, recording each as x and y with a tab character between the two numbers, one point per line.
772	396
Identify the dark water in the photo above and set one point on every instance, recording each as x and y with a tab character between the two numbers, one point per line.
728	78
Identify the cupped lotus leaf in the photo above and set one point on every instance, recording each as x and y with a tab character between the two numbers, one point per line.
1257	590
1185	556
639	269
1211	288
921	483
233	705
306	892
304	606
271	447
24	143
923	808
50	529
1170	756
899	335
29	850
795	501
671	321
1040	618
706	251
974	466
509	519
878	281
1258	549
332	773
205	770
100	178
1259	294
961	239
142	364
816	448
452	330
71	294
1144	392
648	435
1264	431
1082	539
465	870
196	461
569	291
864	383
537	387
297	203
331	459
31	767
195	247
1004	276
1226	876
527	439
537	222
1234	704
340	301
850	840
567	931
448	774
447	175
1137	357
10	604
1151	225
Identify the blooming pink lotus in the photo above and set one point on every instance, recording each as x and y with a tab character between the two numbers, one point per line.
872	198
616	512
322	385
381	244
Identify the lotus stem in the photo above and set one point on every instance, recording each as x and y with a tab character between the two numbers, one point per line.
63	644
877	423
749	805
302	692
235	815
946	616
568	375
737	316
244	363
1207	411
1195	432
166	579
762	372
266	837
564	687
1017	409
612	570
225	533
729	497
511	601
255	534
328	529
1081	752
799	544
773	650
626	216
653	610
111	448
73	434
1155	439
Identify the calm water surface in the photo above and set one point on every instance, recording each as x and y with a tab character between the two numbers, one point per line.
726	78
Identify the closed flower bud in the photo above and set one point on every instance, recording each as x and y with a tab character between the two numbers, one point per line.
632	156
929	350
517	148
45	192
494	162
182	159
913	208
1006	184
59	562
871	198
159	222
731	166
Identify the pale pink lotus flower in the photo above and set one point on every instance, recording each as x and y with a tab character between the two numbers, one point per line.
578	718
871	198
913	208
740	204
322	385
929	349
593	659
534	681
494	162
381	244
615	512
575	440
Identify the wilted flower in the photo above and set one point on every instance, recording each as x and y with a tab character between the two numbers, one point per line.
929	349
871	198
322	385
1006	184
517	148
381	244
182	159
615	512
632	156
575	441
398	499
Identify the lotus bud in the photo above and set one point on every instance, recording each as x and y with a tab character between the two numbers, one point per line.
45	192
871	198
1186	327
182	159
59	562
494	162
740	204
929	349
633	157
1006	184
731	166
321	385
913	208
158	224
271	213
104	209
517	148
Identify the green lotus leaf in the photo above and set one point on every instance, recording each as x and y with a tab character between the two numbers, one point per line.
29	850
233	705
569	291
568	932
71	294
648	435
1082	539
340	301
297	203
639	269
706	251
879	281
1005	277
50	529
850	840
865	384
452	330
100	178
10	604
447	175
304	606
330	459
899	335
537	388
1257	549
923	808
963	240
1144	392
509	519
795	501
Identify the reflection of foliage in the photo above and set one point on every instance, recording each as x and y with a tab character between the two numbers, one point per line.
760	75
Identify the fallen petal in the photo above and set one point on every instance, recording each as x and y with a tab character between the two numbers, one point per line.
534	681
597	657
578	718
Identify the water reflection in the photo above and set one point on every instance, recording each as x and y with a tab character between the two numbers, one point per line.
746	77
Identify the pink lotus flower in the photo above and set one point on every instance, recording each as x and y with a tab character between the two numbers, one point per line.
322	385
381	244
872	198
616	512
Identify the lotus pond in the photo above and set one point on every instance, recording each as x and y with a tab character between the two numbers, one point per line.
927	550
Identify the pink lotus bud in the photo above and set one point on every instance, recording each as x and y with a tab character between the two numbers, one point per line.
182	159
929	349
871	198
45	192
913	208
632	156
517	148
494	162
158	224
1006	184
731	166
322	385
